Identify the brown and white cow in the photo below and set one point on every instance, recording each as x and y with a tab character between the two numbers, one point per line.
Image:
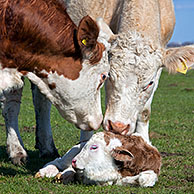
137	57
38	40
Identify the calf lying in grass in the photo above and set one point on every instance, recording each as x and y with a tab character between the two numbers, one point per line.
108	159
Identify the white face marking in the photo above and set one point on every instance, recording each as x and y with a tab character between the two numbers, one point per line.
78	101
94	163
134	66
113	144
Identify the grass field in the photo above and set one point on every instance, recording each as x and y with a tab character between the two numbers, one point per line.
171	131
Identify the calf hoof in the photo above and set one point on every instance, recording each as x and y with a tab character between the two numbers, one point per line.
19	159
58	178
37	175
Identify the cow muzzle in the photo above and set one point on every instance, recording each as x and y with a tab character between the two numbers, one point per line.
118	127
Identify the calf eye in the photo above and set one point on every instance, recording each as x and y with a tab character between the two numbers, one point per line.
93	147
145	88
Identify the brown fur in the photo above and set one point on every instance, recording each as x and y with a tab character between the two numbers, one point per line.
39	34
135	155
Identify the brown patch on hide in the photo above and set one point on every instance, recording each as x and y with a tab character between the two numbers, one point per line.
52	86
135	155
146	115
38	35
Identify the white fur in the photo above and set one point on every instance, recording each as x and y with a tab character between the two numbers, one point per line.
134	64
14	144
10	79
49	171
114	143
145	179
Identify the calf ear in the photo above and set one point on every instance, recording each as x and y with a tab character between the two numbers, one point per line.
87	39
179	59
122	155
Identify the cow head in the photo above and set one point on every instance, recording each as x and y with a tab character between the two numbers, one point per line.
77	94
135	67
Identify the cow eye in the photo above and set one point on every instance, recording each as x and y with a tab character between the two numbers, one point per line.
146	87
93	147
103	77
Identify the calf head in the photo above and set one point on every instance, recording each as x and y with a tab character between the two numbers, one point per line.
107	158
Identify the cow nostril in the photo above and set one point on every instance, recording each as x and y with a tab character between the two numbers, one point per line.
74	163
118	127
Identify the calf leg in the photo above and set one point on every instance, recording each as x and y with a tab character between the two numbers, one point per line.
10	103
146	178
64	163
44	138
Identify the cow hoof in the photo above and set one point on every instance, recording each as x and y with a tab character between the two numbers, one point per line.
37	175
58	178
19	159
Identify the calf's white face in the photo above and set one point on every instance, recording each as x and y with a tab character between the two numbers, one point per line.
94	164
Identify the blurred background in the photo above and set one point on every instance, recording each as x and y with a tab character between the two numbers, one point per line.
184	28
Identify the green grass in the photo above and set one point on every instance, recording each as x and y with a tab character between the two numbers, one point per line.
171	131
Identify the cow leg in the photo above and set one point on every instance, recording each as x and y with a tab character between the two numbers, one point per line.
50	170
10	103
44	138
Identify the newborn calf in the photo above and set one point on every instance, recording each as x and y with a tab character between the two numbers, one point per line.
108	159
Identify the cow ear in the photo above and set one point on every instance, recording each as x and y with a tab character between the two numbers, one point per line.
122	155
105	30
179	59
87	33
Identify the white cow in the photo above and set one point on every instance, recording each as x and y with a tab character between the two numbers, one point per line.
108	159
67	63
138	54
